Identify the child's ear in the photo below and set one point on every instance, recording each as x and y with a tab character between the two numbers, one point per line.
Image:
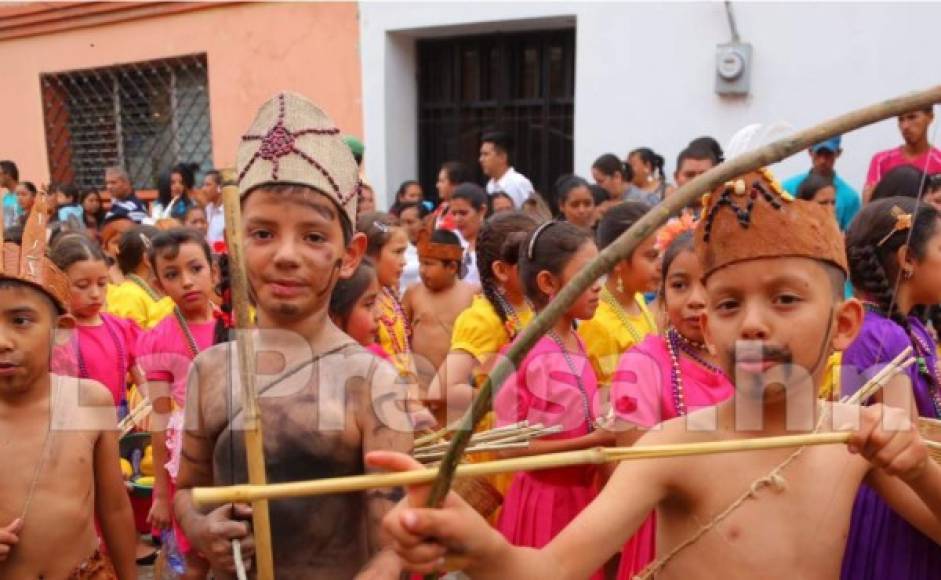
905	260
547	283
353	255
849	319
501	270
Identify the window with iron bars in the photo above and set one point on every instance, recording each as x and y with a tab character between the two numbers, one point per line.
143	116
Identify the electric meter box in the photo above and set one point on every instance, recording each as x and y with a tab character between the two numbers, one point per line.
733	68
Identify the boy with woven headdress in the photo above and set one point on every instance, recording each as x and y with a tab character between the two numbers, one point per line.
433	304
323	399
58	435
774	270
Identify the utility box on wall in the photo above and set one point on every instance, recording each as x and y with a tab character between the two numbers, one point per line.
733	68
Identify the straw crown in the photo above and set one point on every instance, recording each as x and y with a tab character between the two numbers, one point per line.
292	141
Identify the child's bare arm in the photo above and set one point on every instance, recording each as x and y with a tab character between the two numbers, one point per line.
903	473
451	385
112	506
159	393
581	548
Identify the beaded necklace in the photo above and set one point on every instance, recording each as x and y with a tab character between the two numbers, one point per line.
143	285
922	351
678	344
623	317
513	324
586	404
187	333
118	346
405	345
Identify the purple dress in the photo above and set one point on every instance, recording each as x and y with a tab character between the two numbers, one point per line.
881	545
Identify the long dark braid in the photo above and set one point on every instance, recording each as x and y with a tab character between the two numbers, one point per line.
224	323
492	245
872	245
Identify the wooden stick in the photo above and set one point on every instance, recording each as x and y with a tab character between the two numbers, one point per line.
204	496
431	438
643	228
254	441
881	378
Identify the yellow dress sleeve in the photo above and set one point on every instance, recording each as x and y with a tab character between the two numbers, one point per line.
157	311
124	302
479	331
601	337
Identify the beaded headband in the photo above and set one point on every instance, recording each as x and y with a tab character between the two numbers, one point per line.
752	218
28	262
536	233
291	141
903	221
437	250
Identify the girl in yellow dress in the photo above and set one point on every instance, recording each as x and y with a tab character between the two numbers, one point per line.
135	298
622	318
494	318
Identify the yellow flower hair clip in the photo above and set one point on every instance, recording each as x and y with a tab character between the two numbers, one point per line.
903	221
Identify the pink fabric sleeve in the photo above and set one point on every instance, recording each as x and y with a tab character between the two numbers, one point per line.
151	356
874	173
637	387
511	403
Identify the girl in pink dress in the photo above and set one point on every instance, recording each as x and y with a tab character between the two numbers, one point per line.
103	345
182	269
554	385
666	376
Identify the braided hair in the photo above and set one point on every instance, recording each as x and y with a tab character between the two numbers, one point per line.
499	240
872	245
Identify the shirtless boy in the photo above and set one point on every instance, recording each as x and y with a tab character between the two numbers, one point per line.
774	293
58	437
323	401
433	304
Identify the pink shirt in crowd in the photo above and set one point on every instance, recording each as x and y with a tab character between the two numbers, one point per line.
104	353
165	355
885	161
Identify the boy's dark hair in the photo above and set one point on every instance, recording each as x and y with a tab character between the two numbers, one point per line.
500	239
811	185
617	220
648	156
295	189
74	247
872	244
214	173
10	169
378	226
699	153
166	244
904	180
67	189
348	291
30	187
548	248
609	164
501	195
500	140
133	247
709	145
456	171
398	207
472	194
16	283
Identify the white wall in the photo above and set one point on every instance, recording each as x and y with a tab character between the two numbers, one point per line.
645	71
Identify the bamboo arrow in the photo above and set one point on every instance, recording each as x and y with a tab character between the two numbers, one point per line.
629	240
254	441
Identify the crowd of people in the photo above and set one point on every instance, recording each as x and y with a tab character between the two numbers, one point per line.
415	305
